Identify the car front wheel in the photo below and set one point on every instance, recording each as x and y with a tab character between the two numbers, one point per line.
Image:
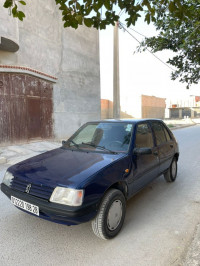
111	214
170	175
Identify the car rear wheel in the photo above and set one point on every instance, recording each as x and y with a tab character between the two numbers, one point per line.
170	175
111	214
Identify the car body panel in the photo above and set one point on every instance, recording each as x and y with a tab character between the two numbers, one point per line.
62	167
143	171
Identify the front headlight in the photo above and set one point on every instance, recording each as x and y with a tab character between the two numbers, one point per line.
8	177
67	196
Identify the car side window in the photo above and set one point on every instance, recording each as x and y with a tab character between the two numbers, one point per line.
167	134
159	133
144	138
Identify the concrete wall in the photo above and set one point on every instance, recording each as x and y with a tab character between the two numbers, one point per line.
153	107
8	25
70	55
137	106
106	109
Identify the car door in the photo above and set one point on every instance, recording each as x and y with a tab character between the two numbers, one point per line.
144	166
165	145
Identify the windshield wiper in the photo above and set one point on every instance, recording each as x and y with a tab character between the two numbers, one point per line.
64	142
99	147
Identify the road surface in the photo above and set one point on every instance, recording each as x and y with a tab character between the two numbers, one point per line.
159	226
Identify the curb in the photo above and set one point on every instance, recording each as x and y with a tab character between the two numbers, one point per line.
183	126
193	254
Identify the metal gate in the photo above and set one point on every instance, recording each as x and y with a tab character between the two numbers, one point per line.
25	108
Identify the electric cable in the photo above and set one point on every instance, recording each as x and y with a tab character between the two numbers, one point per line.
134	30
146	48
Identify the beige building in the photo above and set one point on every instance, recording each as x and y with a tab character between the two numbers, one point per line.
143	106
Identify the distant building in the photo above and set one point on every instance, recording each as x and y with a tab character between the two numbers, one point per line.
153	107
106	109
185	107
142	106
49	75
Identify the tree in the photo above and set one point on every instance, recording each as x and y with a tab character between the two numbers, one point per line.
100	13
178	23
182	36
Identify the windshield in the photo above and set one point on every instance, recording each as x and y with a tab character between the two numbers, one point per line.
106	137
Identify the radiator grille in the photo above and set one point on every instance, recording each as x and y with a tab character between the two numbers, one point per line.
36	190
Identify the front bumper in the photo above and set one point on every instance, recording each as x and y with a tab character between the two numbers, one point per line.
54	212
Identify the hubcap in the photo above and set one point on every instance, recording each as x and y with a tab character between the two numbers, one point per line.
174	169
114	215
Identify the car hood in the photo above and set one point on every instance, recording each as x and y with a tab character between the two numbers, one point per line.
62	167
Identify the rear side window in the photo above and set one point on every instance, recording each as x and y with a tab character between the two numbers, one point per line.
159	133
144	138
167	134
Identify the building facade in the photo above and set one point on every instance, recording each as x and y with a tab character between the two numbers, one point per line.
141	106
49	75
188	107
153	107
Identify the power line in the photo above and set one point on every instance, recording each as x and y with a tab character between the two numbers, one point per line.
134	30
121	12
146	48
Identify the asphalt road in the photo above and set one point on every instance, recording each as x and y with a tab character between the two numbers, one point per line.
159	225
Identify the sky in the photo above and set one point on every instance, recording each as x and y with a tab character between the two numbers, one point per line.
140	73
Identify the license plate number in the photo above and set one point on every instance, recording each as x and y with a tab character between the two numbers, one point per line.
25	205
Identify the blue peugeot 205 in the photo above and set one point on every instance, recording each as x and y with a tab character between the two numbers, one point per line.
94	172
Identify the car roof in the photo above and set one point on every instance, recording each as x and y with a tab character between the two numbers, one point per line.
132	121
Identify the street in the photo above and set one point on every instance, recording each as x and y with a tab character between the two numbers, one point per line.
159	225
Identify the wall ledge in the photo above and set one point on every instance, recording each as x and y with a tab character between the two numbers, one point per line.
27	70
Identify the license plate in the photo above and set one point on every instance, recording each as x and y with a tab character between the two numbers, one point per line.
25	205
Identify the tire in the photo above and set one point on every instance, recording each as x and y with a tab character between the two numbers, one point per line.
170	175
110	217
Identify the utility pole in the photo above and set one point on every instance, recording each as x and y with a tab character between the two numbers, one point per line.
116	87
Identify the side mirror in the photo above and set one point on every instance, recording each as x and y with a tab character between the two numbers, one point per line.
142	151
64	142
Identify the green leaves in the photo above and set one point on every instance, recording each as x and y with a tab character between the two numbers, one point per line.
108	5
8	3
101	13
21	15
172	7
14	8
22	2
88	22
179	31
178	23
79	18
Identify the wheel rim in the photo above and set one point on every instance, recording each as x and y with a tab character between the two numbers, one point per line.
174	169
114	215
